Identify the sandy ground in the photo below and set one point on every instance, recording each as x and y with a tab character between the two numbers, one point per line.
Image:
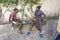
49	32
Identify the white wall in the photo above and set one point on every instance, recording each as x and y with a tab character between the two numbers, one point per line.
51	7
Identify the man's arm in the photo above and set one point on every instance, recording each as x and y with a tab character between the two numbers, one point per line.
10	18
43	14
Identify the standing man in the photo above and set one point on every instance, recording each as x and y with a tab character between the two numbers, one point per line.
39	15
14	20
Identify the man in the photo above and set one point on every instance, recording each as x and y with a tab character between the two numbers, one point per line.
14	20
39	15
13	17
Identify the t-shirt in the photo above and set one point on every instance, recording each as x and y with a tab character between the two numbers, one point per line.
38	13
13	17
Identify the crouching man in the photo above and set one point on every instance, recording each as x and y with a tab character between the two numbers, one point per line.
14	20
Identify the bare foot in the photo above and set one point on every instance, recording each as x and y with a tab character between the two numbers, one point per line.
20	32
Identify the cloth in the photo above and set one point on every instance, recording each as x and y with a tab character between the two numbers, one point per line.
38	24
13	17
38	13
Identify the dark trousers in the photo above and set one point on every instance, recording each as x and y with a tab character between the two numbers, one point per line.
37	25
18	23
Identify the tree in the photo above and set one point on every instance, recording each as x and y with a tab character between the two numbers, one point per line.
5	2
31	3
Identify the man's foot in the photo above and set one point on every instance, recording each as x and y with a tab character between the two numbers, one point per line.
28	33
20	32
41	35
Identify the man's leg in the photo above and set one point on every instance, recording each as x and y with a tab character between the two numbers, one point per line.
39	28
20	28
13	25
31	26
30	29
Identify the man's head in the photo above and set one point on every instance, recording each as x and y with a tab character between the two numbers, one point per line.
16	10
38	7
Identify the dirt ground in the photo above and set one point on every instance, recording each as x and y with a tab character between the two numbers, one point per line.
49	31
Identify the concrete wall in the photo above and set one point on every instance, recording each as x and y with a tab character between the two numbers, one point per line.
51	7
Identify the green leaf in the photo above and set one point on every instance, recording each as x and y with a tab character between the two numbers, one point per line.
4	4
